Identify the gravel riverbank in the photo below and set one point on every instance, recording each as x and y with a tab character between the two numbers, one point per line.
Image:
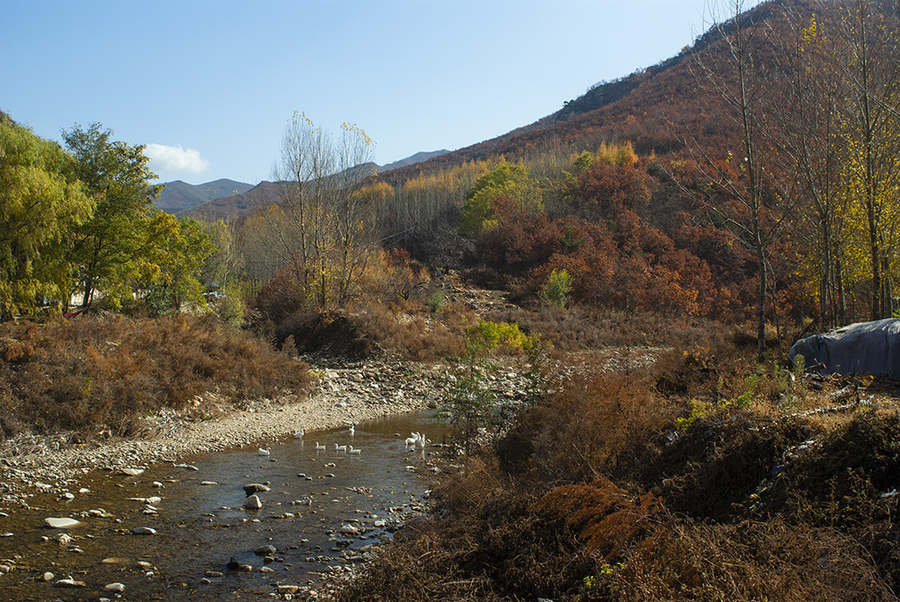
352	392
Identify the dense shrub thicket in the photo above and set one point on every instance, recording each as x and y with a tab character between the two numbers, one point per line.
89	373
617	488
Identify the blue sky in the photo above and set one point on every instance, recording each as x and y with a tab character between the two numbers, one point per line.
209	85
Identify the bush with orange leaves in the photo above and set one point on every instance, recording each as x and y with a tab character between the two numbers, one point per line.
87	372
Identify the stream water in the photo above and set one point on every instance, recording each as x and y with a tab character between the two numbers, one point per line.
322	509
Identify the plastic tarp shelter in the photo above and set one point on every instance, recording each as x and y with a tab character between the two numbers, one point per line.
862	348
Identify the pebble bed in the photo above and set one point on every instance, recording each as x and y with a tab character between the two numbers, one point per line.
352	392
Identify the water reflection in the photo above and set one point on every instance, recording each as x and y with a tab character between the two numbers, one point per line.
321	509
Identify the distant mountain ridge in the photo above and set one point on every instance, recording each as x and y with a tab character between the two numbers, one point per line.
411	160
241	199
177	197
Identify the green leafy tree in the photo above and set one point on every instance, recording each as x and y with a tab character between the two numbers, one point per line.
470	396
109	246
41	202
556	289
506	180
173	262
221	269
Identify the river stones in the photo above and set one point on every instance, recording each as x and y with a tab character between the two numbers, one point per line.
265	551
234	565
143	531
153	500
349	530
114	587
253	503
131	472
61	523
63	539
251	488
70	583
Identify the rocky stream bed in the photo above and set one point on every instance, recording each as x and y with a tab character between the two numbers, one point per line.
46	474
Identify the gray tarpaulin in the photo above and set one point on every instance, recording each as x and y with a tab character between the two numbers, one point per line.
863	348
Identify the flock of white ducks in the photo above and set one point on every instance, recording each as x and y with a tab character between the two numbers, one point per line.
415	441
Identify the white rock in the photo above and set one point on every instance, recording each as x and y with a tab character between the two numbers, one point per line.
69	582
114	587
48	576
63	539
253	503
131	472
61	523
143	531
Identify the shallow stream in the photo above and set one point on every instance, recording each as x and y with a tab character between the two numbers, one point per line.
322	509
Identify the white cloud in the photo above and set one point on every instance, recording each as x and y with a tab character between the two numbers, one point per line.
175	158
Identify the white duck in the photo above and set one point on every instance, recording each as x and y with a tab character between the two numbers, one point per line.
340	448
354	450
319	447
263	451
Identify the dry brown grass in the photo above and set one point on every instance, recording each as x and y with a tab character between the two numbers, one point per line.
578	328
107	371
601	493
404	327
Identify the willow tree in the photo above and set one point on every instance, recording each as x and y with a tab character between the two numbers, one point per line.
41	203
